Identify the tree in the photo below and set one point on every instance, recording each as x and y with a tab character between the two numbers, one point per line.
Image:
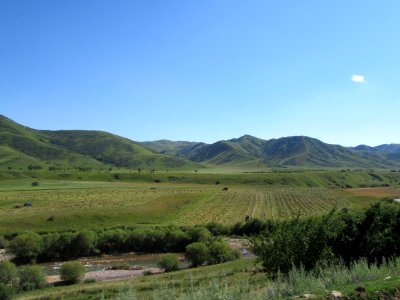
31	277
72	271
26	247
197	253
169	262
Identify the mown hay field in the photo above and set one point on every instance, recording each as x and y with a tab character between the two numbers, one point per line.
63	209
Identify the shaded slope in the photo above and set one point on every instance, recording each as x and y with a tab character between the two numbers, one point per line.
112	149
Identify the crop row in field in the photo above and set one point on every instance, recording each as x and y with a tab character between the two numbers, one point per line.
230	207
106	207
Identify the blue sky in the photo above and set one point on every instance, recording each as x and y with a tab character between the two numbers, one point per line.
204	70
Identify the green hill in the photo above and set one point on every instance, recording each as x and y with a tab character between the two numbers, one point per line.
296	151
179	148
21	147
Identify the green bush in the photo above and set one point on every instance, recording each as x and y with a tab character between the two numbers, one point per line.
26	247
8	273
31	277
197	253
84	243
294	243
169	262
221	252
6	292
2	242
72	271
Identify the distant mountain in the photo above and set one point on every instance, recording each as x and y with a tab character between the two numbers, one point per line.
296	151
178	148
392	148
22	146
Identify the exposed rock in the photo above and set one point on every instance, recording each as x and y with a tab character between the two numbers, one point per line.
335	295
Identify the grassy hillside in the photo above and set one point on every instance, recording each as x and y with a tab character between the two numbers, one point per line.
297	151
21	147
178	148
114	150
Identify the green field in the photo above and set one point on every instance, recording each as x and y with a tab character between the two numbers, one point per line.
67	204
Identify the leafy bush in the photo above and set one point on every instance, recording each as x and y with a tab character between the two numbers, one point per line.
169	262
6	292
72	271
31	277
84	243
197	253
220	251
8	273
26	247
294	243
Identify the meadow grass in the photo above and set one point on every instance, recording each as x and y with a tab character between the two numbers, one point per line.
236	280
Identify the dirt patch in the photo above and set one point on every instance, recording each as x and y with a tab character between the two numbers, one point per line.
374	192
4	256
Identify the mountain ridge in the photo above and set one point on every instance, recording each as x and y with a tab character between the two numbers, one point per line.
94	149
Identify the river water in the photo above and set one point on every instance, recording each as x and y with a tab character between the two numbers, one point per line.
103	262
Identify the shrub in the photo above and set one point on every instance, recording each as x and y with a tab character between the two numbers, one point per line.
294	243
8	272
84	243
6	292
31	277
169	262
199	234
197	253
221	252
72	271
26	247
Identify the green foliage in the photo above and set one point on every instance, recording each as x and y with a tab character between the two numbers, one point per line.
169	262
26	247
6	292
8	273
84	243
197	253
294	243
72	271
31	277
220	252
373	234
2	242
199	234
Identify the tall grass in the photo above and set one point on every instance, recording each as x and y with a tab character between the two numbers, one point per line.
242	285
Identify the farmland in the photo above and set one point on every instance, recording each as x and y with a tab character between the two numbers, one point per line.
61	201
110	205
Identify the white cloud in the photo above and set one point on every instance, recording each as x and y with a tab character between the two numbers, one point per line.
358	78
